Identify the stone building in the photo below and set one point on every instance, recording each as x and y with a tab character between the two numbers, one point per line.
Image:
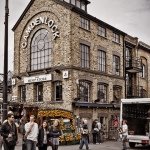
66	59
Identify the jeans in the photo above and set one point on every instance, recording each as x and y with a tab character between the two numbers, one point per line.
124	139
84	140
44	147
31	145
7	146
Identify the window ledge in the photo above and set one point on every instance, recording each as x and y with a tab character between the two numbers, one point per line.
117	43
85	29
54	102
104	37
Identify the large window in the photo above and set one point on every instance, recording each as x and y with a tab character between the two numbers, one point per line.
57	91
85	56
38	89
84	23
101	31
102	93
101	61
41	50
84	91
116	65
116	37
22	93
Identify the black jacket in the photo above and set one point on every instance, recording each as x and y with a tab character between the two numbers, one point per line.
6	129
55	132
41	136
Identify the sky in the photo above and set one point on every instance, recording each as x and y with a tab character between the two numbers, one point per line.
130	16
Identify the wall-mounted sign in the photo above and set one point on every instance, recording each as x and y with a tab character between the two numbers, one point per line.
13	81
65	74
40	20
40	78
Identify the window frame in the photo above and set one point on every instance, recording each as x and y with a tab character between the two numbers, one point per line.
116	37
55	91
101	60
102	31
119	88
41	58
85	56
22	93
84	97
143	73
116	66
36	92
84	23
102	87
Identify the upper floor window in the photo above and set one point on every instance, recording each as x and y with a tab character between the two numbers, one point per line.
117	93
84	91
101	61
102	93
22	93
84	23
68	1
116	37
58	91
101	31
73	2
38	91
116	65
85	56
143	71
41	50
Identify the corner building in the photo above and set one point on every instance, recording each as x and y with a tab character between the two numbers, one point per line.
66	59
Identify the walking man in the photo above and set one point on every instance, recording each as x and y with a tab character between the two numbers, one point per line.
31	133
9	133
124	134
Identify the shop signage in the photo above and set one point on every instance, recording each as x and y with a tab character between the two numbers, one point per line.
37	21
40	78
65	74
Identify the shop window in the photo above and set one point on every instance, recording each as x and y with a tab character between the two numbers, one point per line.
102	93
84	23
116	65
85	56
102	31
116	37
117	93
101	61
38	92
84	90
58	91
41	50
22	93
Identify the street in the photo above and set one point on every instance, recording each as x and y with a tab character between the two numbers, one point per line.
109	145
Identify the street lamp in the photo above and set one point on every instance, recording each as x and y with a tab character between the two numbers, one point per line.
5	61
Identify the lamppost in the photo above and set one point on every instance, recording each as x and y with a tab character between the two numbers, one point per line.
5	61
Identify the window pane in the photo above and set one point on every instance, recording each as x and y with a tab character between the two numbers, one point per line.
101	61
41	47
84	23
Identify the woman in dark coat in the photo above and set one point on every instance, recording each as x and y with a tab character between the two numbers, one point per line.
43	136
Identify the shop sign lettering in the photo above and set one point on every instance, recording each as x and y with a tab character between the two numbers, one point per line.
40	20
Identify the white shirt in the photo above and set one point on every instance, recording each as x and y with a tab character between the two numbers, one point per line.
99	125
125	129
34	131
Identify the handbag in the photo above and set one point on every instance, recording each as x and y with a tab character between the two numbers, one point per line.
50	142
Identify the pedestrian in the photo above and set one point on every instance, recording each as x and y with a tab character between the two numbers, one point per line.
31	133
43	136
95	131
99	126
9	133
1	138
55	132
84	135
124	134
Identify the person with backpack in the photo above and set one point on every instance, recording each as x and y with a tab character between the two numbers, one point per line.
84	135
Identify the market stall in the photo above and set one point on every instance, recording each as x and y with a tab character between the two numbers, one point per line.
67	124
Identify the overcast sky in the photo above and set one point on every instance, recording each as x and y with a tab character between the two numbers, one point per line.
130	16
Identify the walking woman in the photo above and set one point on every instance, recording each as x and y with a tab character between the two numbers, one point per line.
43	136
55	132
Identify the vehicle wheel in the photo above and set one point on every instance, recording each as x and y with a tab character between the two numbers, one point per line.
131	144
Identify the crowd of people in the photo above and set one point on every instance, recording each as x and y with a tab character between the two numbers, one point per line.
44	136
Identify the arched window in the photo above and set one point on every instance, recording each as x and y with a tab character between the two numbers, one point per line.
41	50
